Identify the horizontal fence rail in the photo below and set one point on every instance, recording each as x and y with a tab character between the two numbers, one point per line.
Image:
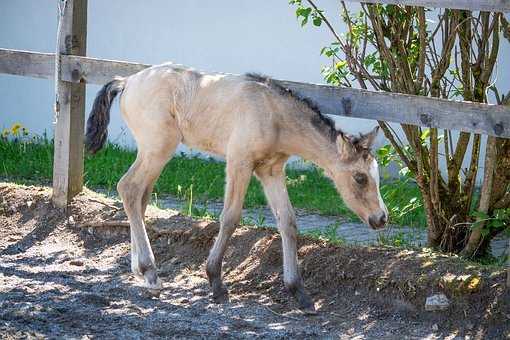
472	5
349	102
74	68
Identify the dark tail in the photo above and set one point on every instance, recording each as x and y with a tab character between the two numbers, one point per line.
97	124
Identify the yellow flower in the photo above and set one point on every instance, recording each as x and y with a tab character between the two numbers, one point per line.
5	133
15	128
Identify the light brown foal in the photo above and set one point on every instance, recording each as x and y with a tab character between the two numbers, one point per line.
255	124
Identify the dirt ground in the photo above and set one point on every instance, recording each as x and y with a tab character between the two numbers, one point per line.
63	274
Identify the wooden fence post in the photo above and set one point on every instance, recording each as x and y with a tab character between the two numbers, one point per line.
69	131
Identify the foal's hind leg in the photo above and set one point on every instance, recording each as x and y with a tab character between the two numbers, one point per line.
273	181
135	188
238	178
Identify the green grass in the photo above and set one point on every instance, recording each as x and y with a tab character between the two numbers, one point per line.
32	160
329	234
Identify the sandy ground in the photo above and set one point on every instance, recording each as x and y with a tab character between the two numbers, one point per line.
62	277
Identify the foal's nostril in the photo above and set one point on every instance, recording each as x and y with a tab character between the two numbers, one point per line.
378	221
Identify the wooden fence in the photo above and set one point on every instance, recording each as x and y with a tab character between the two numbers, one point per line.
472	5
78	70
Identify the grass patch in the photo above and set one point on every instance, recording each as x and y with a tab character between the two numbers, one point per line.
194	179
329	234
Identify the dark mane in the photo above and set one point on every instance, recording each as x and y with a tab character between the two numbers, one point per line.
319	120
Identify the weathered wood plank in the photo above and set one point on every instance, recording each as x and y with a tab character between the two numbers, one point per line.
28	64
97	71
393	107
74	68
473	5
69	131
400	108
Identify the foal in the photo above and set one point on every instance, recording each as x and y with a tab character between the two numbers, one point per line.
255	124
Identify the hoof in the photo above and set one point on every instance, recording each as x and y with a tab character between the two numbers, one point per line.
152	281
305	302
220	294
137	274
154	290
153	293
308	310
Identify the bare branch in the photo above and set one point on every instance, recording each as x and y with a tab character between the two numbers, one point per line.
423	44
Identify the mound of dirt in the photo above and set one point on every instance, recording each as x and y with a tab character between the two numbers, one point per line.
66	274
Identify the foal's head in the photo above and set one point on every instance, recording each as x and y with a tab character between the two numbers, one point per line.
357	178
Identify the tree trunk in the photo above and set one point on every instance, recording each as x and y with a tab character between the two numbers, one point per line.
476	237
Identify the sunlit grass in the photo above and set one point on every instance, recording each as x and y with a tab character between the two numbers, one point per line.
30	159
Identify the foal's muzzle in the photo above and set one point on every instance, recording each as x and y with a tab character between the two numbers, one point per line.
378	220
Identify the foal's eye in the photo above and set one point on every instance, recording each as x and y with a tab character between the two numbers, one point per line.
360	178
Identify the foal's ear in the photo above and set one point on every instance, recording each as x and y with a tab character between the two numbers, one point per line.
344	143
367	140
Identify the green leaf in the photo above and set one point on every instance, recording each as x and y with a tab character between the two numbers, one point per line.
317	21
341	64
404	171
425	134
369	60
480	215
496	224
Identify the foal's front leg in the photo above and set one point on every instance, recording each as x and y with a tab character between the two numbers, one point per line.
273	181
238	178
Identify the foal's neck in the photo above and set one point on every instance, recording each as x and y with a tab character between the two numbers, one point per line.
314	145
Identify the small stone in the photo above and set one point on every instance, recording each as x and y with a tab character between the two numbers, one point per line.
437	302
29	203
76	262
200	291
435	327
357	293
183	301
70	220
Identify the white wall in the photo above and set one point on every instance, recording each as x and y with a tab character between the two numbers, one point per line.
228	36
234	36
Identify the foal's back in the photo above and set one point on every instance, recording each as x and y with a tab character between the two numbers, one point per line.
212	112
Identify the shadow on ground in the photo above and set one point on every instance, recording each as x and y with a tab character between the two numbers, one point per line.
59	277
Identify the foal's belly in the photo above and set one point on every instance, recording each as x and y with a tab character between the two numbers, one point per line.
205	146
205	135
